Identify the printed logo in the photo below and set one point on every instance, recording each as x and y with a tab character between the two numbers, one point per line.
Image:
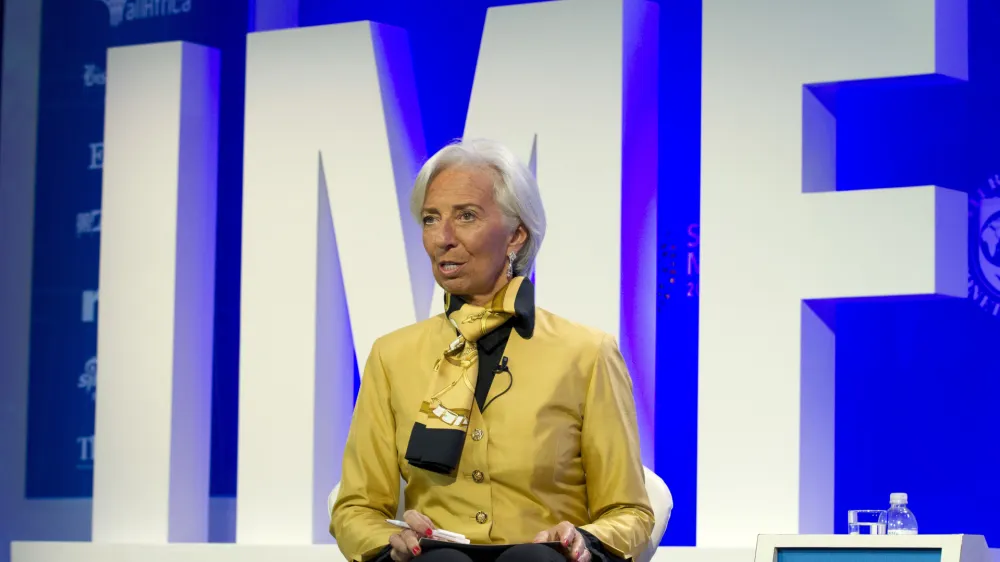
96	156
680	265
93	75
88	222
87	381
88	309
984	256
129	10
85	446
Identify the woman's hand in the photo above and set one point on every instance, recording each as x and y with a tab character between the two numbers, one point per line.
567	534
405	544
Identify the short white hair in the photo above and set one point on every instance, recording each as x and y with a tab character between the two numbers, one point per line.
514	189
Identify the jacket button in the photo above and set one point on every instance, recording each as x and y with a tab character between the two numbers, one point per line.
477	435
481	517
477	475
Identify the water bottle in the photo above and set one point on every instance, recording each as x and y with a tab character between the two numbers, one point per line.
899	519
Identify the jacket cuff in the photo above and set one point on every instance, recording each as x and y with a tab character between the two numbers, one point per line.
598	552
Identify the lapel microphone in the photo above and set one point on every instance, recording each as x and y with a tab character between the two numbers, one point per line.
502	367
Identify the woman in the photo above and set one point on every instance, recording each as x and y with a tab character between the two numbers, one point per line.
509	424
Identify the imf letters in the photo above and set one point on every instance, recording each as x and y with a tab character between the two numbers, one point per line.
355	123
156	280
330	129
287	467
765	344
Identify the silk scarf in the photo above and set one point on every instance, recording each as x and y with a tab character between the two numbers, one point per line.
438	434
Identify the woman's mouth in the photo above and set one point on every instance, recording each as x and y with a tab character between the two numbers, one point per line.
450	268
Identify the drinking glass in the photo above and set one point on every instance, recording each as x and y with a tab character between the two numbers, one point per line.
866	522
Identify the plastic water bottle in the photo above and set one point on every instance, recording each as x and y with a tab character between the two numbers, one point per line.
899	519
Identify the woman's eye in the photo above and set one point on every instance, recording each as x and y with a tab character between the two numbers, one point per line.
467	216
428	220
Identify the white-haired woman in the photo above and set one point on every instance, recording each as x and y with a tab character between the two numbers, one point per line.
510	425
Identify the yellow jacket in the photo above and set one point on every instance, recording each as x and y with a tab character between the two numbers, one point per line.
561	444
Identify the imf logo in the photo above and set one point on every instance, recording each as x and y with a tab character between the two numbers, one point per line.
984	260
120	10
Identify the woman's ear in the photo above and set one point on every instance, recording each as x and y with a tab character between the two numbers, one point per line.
517	239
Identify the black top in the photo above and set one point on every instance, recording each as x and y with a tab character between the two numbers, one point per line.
491	348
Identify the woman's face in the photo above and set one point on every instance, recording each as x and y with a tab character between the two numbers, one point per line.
466	235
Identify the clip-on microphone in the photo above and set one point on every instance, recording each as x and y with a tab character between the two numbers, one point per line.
501	368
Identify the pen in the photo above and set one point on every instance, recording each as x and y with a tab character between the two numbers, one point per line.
447	535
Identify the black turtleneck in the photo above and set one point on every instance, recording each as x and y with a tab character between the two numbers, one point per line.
491	348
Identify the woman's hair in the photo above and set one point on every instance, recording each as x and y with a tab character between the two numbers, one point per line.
514	189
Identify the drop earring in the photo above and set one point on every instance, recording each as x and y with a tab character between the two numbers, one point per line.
510	264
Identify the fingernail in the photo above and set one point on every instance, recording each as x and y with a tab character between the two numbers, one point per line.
416	550
428	532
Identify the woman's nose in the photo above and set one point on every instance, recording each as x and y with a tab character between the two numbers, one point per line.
444	235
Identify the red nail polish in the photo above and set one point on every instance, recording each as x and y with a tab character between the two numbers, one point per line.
428	532
416	550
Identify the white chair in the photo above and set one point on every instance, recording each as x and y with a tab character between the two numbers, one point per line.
659	497
662	502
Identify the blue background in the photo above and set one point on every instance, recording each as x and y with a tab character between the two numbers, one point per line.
917	382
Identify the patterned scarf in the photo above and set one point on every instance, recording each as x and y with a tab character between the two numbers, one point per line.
439	431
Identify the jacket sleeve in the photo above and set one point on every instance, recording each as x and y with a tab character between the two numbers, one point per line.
616	490
369	486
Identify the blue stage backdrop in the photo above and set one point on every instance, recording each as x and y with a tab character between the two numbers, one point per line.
65	297
916	381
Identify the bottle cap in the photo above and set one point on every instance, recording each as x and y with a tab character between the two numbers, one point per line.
897	498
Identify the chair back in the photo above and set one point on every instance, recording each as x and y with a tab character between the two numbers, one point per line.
662	502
